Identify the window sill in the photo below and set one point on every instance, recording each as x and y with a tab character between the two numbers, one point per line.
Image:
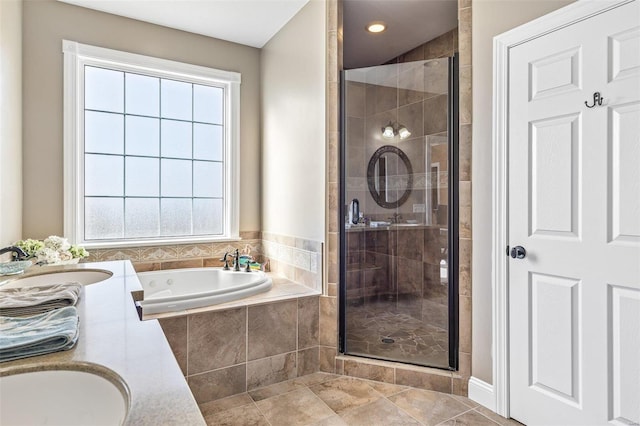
158	242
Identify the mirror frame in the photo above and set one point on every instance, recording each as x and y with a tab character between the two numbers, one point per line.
371	178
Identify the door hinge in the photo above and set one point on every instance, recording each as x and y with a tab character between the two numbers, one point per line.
508	251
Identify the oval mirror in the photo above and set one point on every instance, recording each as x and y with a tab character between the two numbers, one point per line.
390	177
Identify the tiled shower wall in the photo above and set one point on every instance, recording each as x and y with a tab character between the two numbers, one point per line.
415	95
230	351
328	303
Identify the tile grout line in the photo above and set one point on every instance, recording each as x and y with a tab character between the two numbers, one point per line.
485	416
246	350
260	411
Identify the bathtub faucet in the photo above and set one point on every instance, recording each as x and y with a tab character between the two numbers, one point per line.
226	261
236	261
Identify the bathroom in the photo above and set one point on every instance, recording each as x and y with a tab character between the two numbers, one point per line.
289	210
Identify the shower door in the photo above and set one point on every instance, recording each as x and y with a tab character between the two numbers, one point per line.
399	212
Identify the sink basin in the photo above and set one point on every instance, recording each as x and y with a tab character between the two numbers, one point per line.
73	394
82	276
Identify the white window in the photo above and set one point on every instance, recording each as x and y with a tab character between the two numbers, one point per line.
151	149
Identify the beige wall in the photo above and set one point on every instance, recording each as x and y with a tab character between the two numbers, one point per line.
45	24
293	126
10	121
490	18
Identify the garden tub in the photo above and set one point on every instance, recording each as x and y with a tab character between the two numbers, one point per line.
180	289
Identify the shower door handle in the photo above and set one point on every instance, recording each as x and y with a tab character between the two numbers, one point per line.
518	252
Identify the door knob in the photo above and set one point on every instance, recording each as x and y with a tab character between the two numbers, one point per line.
518	252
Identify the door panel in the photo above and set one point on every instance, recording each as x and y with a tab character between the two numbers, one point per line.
555	187
624	368
574	204
624	172
555	336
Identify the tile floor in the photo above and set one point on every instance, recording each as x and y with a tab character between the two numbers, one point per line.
416	341
322	399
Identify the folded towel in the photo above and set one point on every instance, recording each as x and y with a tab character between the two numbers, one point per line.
52	331
27	301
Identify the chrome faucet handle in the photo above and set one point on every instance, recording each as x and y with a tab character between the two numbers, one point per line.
248	267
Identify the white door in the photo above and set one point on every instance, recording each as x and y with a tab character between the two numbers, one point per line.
574	205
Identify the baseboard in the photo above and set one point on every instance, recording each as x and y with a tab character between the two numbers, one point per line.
482	393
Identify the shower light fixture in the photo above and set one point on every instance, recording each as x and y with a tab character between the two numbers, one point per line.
376	27
391	129
403	132
388	131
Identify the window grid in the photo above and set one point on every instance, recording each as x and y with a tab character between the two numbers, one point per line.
160	118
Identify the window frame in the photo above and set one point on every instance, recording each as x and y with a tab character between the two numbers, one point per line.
76	56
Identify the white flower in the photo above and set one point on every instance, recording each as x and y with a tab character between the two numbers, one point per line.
65	255
48	255
57	243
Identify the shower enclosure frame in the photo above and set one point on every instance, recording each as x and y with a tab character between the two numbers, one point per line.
453	125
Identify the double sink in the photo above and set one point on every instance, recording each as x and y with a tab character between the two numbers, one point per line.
62	393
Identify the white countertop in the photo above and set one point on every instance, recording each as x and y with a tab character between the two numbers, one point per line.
112	335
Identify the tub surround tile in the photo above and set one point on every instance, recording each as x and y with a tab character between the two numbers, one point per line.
218	384
272	329
217	340
194	250
175	330
147	266
182	264
296	259
308	361
308	322
212	262
267	371
211	344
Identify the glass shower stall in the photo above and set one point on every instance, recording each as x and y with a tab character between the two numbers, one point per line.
399	212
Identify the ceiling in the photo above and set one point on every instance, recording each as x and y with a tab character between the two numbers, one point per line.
248	22
410	23
253	22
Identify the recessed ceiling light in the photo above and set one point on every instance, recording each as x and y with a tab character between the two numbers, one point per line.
376	27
